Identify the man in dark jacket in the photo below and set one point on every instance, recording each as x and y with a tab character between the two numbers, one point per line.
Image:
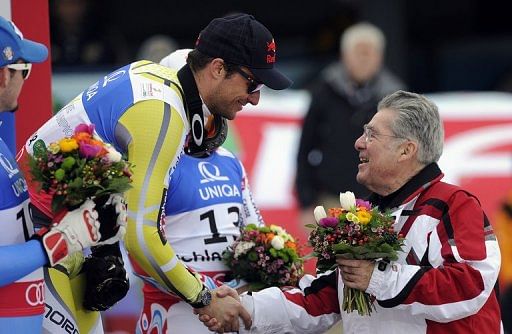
343	99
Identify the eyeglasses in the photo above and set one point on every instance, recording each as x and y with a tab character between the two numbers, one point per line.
23	67
254	85
369	133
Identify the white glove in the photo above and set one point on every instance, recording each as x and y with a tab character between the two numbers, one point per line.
113	218
78	229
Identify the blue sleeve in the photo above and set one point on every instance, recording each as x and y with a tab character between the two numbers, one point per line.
8	130
19	260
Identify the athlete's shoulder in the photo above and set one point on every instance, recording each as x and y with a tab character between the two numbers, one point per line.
222	151
154	71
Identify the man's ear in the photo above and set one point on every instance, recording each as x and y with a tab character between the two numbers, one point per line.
408	150
5	77
217	68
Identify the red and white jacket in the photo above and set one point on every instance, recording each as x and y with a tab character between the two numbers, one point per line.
443	281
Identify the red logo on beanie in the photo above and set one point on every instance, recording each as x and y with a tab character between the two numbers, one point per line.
271	48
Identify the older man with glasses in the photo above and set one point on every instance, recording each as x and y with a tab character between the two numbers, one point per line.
444	280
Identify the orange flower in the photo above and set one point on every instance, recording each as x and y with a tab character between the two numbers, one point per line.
334	212
290	244
82	136
270	236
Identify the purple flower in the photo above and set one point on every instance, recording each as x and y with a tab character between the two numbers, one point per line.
364	204
328	222
89	151
89	128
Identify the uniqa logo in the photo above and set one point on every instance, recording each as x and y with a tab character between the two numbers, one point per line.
34	295
210	172
7	165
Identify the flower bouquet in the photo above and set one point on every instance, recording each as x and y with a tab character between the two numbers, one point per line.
79	167
355	231
265	256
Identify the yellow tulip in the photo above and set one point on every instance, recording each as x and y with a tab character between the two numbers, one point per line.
364	216
68	144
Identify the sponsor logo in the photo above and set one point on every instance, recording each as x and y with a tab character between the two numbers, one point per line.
210	172
7	165
33	139
149	89
34	295
271	49
112	77
19	187
59	319
197	129
271	46
216	191
63	123
201	256
93	89
8	53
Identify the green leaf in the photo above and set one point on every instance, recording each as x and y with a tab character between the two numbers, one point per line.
252	256
39	149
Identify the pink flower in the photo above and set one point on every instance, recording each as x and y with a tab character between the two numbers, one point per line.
328	222
89	151
89	128
363	204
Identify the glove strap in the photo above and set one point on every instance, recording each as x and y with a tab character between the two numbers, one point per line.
56	246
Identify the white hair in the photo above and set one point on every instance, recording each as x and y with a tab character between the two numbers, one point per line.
362	32
176	60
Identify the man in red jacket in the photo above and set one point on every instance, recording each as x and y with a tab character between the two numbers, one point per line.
445	276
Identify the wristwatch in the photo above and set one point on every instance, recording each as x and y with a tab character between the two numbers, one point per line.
204	299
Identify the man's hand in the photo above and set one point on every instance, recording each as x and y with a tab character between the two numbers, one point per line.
78	229
113	216
356	273
223	312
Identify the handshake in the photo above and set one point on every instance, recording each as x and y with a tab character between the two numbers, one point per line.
223	313
89	225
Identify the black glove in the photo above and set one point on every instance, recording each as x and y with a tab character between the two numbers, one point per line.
106	279
112	214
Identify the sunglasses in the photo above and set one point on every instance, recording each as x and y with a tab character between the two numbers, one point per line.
23	67
254	85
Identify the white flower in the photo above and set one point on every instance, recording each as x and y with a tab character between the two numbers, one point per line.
113	155
277	242
243	247
319	213
276	229
347	200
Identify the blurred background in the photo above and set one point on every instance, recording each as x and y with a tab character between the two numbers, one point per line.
432	45
457	52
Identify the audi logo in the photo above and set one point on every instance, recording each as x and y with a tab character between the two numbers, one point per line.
34	295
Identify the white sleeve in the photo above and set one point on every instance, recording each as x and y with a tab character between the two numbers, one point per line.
293	311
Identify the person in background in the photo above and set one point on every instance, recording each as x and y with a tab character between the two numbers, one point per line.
444	280
343	98
148	112
156	47
80	37
23	253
